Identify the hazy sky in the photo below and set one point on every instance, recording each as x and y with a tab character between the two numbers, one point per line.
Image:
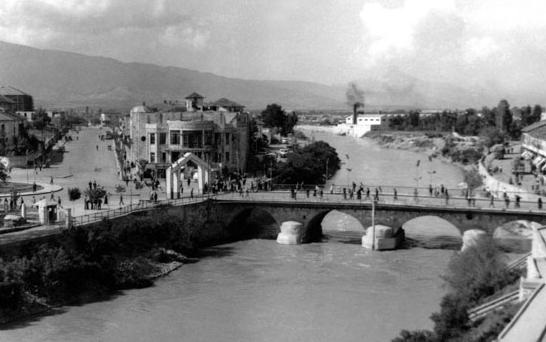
486	42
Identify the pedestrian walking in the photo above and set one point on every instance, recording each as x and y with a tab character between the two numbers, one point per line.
447	197
331	189
106	199
189	180
34	187
395	194
492	202
539	203
121	199
415	194
191	193
344	193
51	181
91	185
518	199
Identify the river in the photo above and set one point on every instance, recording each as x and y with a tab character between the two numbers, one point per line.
257	290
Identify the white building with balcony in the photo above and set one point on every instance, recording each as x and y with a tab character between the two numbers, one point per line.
218	137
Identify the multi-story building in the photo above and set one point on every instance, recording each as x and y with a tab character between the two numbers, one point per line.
533	145
6	105
11	127
21	100
216	133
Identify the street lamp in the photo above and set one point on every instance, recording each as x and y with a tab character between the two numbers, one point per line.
373	224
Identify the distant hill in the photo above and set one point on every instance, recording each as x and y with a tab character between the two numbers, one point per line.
64	79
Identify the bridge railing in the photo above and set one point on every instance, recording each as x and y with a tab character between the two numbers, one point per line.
387	198
424	189
133	208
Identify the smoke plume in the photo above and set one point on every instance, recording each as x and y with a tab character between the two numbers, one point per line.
355	96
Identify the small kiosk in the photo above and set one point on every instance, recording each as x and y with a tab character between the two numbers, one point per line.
47	211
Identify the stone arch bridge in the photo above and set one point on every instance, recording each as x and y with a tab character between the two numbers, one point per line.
235	212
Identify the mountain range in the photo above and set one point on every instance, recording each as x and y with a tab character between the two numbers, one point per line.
64	79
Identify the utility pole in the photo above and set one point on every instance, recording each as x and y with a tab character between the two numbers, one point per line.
373	224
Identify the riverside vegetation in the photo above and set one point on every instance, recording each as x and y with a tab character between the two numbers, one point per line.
86	264
473	277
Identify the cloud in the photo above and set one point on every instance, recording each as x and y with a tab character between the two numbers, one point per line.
68	19
390	31
194	36
457	41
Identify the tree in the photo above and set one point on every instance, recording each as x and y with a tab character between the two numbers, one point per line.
526	116
491	136
311	165
504	115
41	119
536	114
275	117
3	173
489	116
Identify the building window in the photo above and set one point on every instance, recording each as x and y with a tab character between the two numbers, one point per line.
208	138
152	138
174	156
152	157
163	157
175	137
162	138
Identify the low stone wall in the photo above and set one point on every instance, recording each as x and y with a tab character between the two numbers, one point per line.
498	188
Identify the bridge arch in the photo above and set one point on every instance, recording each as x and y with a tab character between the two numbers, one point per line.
432	231
249	223
516	235
338	223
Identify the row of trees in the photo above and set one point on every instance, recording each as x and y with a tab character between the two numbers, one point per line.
502	118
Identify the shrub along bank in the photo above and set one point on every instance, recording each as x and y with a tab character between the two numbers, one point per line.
472	277
92	262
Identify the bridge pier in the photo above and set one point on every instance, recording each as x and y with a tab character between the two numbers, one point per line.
291	233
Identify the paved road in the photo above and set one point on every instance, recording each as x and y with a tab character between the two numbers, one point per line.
83	162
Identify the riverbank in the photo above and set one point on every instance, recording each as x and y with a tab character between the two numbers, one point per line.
89	264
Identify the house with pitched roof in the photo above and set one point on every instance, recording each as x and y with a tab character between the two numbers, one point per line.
21	100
